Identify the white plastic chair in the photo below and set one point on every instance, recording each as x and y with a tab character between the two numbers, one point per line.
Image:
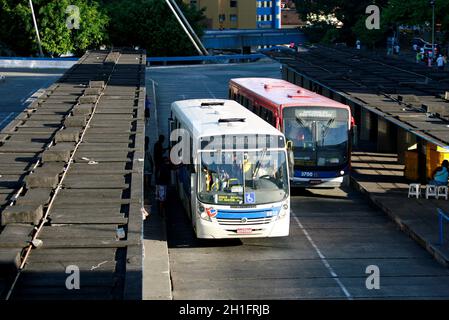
414	190
431	191
442	192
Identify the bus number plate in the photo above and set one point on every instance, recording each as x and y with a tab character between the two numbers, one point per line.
244	230
307	174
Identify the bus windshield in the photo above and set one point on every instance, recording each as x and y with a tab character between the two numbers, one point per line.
319	135
243	178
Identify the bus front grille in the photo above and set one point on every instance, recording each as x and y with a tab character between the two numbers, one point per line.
240	222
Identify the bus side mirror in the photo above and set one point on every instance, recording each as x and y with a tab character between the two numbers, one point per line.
289	145
171	127
192	181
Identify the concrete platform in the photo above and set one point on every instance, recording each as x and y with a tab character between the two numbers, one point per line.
388	190
27	214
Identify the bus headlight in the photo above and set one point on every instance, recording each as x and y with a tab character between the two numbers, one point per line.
342	172
283	211
204	215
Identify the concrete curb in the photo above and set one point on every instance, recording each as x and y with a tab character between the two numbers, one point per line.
156	265
407	229
156	277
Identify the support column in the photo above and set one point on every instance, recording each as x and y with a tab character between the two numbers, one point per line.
385	136
365	125
404	141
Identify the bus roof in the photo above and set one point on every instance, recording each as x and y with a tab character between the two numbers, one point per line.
204	120
284	93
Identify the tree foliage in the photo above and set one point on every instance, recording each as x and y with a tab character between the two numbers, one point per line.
17	29
347	12
418	12
15	32
373	37
151	25
394	12
57	38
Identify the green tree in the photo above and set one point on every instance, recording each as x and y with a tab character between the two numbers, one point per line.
151	25
347	12
418	12
16	32
373	37
58	38
51	16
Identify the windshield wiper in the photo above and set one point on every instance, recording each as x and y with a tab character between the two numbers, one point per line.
325	130
256	169
301	123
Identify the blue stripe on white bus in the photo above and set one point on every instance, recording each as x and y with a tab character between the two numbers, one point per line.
252	214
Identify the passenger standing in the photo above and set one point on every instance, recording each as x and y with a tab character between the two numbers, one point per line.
147	108
418	57
148	166
397	48
158	154
440	62
162	181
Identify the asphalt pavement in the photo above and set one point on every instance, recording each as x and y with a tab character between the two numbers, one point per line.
338	243
20	87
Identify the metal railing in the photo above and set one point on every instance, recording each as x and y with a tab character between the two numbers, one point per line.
217	58
441	217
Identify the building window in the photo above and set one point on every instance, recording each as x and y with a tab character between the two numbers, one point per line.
233	3
221	17
233	17
270	17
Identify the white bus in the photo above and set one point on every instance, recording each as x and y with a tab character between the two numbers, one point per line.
233	180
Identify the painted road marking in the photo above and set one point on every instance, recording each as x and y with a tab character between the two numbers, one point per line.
323	258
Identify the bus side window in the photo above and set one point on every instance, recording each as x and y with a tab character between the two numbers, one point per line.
250	106
269	116
247	103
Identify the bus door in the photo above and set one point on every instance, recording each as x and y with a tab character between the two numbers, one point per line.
171	128
193	199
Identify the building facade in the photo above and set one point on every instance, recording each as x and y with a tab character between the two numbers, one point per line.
268	14
240	14
289	16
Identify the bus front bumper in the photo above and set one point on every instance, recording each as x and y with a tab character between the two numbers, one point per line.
213	230
318	183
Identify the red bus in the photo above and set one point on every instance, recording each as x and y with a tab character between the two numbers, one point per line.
318	130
